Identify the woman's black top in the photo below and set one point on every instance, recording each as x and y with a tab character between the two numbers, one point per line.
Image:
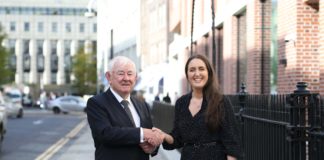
191	133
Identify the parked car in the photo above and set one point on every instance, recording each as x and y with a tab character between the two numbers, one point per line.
66	104
3	122
27	100
15	95
13	106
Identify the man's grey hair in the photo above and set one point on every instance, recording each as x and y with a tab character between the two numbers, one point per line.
120	60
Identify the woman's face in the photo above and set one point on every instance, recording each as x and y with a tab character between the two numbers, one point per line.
197	74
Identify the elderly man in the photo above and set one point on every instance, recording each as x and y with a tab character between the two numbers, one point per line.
121	124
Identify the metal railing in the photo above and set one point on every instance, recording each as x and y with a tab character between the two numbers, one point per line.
273	127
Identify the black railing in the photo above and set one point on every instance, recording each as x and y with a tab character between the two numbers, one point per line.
163	116
281	127
273	127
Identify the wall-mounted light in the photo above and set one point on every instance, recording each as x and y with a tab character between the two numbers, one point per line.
283	62
290	37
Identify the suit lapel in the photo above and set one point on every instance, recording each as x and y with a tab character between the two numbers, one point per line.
138	106
116	107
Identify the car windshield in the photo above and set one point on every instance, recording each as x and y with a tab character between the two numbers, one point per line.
79	99
11	95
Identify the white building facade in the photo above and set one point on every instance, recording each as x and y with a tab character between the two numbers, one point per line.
44	35
118	33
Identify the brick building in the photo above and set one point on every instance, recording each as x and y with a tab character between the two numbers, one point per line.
270	45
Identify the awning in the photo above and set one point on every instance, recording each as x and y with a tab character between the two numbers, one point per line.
151	76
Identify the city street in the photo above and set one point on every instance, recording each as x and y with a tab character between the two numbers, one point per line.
41	135
81	148
33	134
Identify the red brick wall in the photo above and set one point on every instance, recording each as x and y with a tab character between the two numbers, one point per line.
255	47
301	51
300	59
229	57
232	62
321	46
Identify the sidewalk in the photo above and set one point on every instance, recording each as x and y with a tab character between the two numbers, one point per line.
82	148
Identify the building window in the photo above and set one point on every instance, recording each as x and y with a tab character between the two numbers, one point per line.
54	27
219	56
7	10
26	26
53	78
40	56
81	43
54	58
12	26
12	43
40	26
12	60
68	28
81	28
206	45
67	60
26	56
241	50
95	28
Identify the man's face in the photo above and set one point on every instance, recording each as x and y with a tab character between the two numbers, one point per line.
122	78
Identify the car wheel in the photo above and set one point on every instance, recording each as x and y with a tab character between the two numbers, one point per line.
56	110
20	113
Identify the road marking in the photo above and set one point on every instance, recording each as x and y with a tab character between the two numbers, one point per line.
37	122
60	143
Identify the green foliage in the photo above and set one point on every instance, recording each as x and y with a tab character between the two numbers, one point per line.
84	69
6	73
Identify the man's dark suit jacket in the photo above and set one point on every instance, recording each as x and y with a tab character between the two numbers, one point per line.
114	136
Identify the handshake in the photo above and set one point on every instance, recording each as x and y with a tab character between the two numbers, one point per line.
152	139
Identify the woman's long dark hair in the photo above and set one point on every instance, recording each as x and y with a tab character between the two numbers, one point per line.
211	91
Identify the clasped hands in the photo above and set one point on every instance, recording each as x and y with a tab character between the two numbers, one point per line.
152	139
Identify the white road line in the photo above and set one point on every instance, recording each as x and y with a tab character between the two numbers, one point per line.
59	144
37	122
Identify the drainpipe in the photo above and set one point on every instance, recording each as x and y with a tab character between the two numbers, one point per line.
213	36
262	44
192	26
238	55
111	44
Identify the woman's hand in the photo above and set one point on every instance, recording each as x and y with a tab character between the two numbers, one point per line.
230	157
166	137
160	133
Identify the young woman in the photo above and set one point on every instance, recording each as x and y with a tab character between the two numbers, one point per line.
204	124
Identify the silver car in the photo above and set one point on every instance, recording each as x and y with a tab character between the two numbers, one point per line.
13	106
67	104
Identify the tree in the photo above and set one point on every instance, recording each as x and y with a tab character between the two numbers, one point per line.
6	72
84	69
